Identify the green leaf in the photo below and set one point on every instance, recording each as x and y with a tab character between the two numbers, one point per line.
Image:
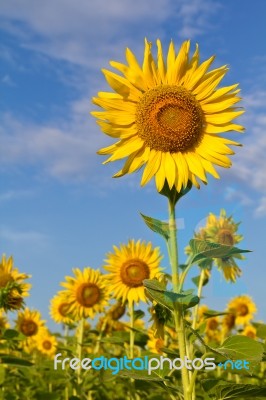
240	347
196	280
261	329
168	299
2	374
213	313
16	361
202	249
157	226
224	391
12	334
48	396
138	314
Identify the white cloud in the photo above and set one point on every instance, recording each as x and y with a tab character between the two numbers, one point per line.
63	149
22	237
90	33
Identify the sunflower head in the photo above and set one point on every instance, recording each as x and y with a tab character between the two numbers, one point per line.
250	331
243	308
86	293
228	322
46	343
3	322
168	116
154	344
128	266
12	286
29	322
59	310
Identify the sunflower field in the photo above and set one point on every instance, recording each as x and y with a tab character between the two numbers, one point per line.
133	330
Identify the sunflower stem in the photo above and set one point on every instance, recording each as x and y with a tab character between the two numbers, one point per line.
196	309
194	324
79	346
178	310
132	333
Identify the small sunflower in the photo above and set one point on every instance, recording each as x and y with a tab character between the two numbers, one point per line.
29	322
154	344
3	322
12	285
86	293
168	116
243	308
46	343
228	322
250	331
129	265
201	310
59	310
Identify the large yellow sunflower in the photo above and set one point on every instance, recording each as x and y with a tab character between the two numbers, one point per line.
243	308
12	285
29	322
168	115
87	293
129	265
59	309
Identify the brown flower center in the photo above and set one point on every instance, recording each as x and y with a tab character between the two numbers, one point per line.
159	344
47	345
133	272
5	278
63	309
226	237
229	321
118	312
169	118
251	334
242	310
213	324
88	294
29	327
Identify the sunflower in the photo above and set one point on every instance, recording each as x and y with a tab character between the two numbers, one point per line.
168	116
86	293
12	285
3	322
29	322
129	265
59	310
222	229
228	322
243	308
46	343
155	345
250	331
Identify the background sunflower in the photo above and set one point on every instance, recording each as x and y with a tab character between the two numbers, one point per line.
128	266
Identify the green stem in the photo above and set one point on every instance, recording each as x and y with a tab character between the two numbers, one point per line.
79	346
100	336
132	333
194	324
178	311
196	309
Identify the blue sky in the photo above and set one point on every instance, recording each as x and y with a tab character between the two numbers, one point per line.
59	207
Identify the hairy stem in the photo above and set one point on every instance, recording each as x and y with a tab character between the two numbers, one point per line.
178	311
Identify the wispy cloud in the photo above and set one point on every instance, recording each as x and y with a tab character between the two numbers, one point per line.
20	237
88	33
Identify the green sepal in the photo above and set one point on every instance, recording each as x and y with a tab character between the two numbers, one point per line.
172	194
